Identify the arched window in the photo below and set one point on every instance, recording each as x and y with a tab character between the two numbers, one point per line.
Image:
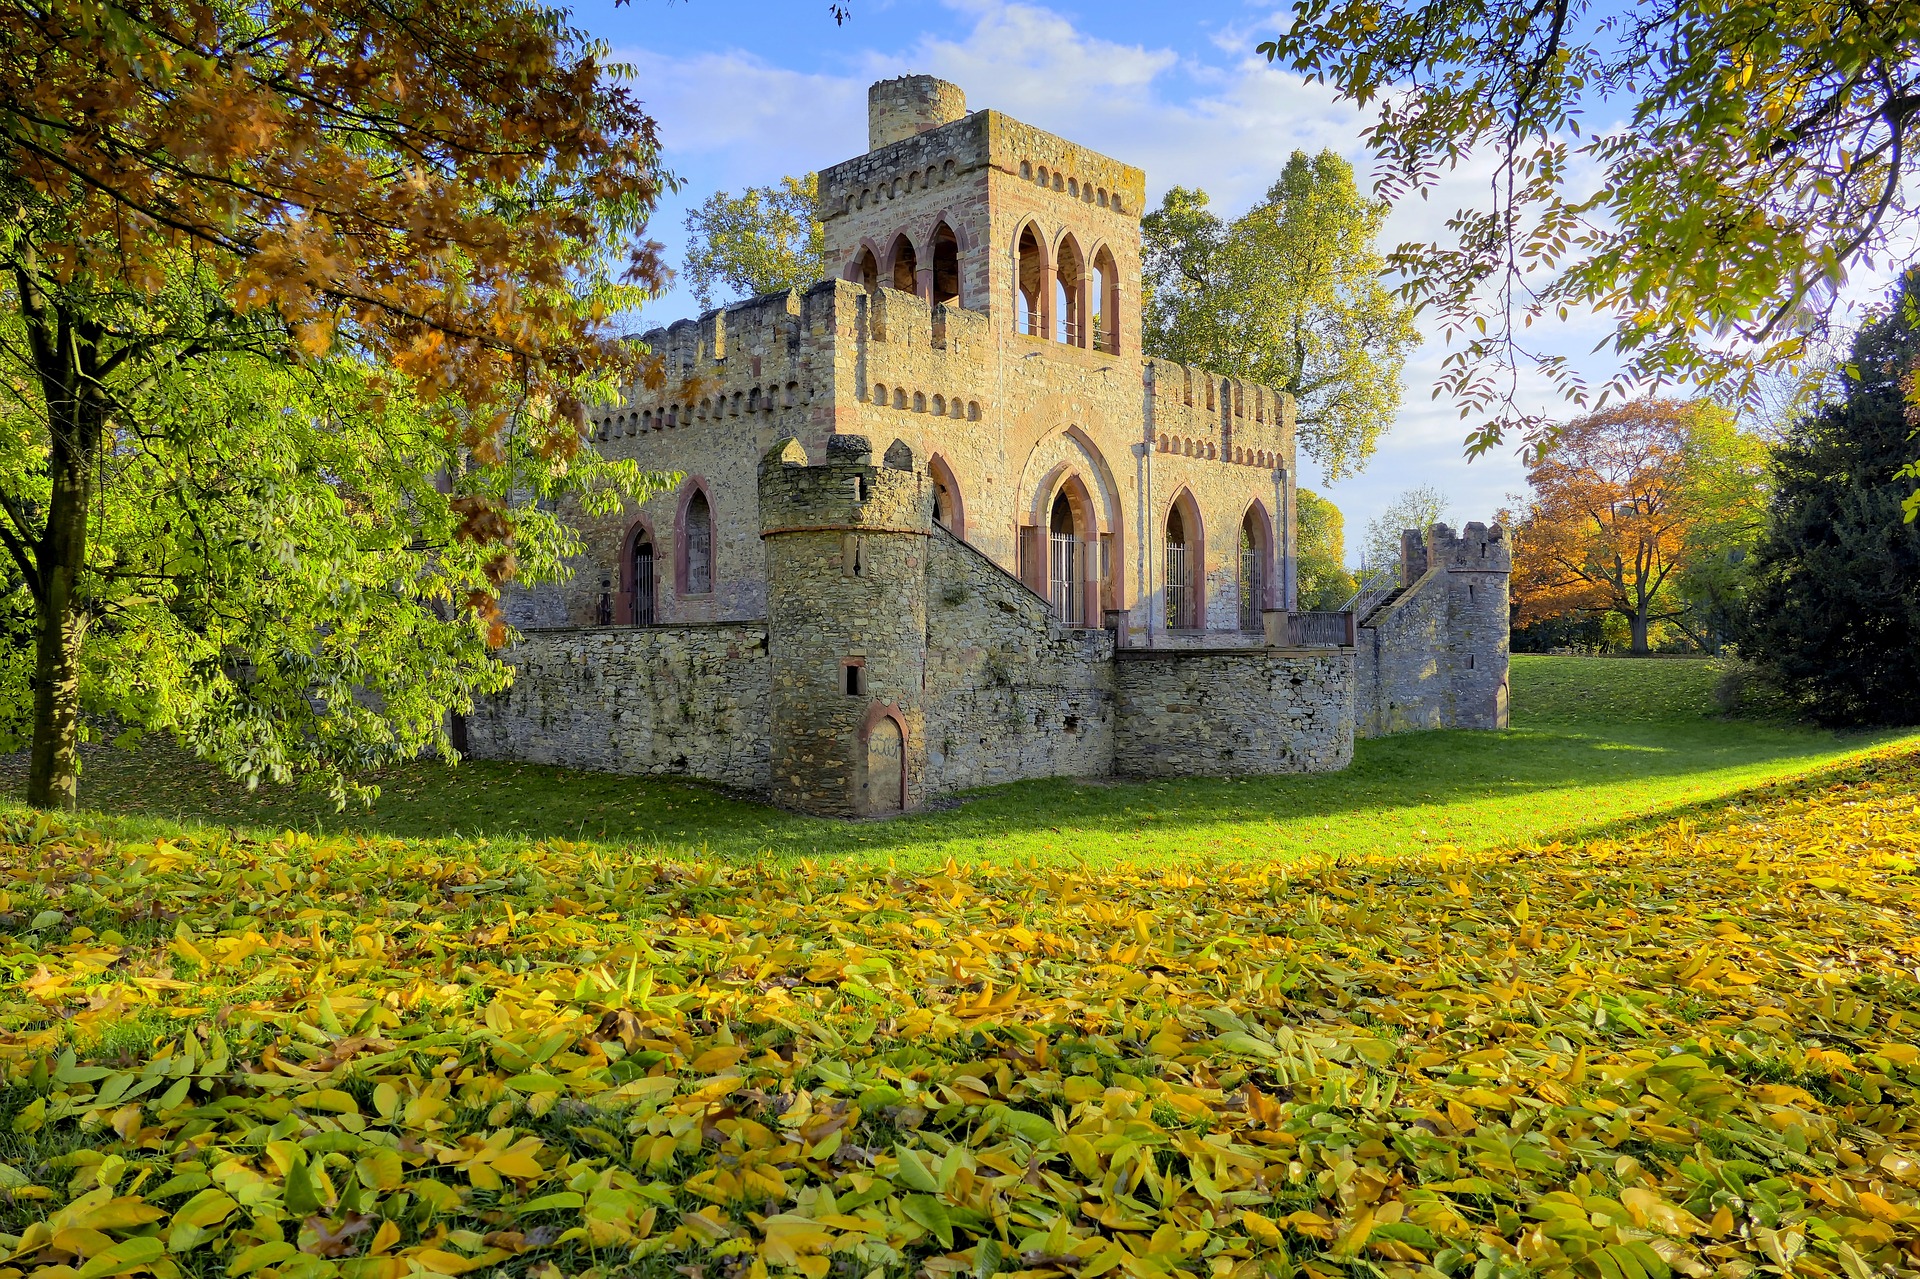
946	265
1105	294
866	271
1067	579
906	266
1255	538
948	510
696	537
1032	270
1070	286
1183	567
639	573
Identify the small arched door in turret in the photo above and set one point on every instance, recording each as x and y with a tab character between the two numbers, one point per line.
885	783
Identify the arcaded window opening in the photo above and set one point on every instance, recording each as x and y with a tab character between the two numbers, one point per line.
946	265
949	512
1106	303
1183	566
1070	294
866	271
1066	577
1256	554
906	266
1027	284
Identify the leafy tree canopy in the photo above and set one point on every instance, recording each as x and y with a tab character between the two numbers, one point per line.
1747	156
1416	508
1632	503
1834	612
1289	294
1324	583
300	295
764	240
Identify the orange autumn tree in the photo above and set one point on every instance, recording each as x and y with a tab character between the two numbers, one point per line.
296	296
1624	504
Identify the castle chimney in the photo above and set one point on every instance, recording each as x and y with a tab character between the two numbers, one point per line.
912	104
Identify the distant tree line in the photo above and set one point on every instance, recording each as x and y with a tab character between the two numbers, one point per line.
1659	524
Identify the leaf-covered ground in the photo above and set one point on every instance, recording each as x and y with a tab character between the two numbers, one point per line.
1689	1051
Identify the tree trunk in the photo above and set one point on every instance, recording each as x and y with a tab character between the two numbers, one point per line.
53	776
1639	623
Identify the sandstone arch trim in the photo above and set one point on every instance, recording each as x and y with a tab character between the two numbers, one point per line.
1060	452
860	778
950	504
1183	577
629	605
686	561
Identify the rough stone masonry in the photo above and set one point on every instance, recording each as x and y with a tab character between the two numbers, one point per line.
938	523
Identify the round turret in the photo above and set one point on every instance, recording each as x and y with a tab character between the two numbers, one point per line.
912	104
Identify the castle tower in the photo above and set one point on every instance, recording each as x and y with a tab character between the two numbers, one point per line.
846	545
984	212
1479	567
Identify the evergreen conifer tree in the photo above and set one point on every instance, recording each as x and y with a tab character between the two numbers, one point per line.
1834	615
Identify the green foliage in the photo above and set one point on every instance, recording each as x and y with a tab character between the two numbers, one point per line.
1727	482
1416	508
274	575
1834	612
1626	1057
763	240
1289	294
1742	158
1324	581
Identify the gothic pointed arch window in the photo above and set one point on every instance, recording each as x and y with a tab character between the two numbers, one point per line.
638	572
906	265
1066	578
1183	570
1104	292
696	544
949	511
1256	541
1070	290
866	271
1029	276
946	265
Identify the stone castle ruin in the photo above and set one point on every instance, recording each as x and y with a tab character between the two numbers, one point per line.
940	524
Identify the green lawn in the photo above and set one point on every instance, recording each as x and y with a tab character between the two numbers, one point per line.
1596	741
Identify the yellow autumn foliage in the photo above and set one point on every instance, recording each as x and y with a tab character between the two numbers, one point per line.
1689	1050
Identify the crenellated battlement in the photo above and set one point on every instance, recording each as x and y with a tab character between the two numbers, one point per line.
848	490
1476	548
1198	413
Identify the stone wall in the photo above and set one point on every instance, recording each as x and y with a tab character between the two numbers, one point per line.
1436	656
662	701
1228	712
1010	694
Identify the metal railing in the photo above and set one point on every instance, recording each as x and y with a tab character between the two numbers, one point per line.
1066	579
1371	595
1178	615
1320	630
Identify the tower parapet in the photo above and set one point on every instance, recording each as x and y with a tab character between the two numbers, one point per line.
911	104
846	546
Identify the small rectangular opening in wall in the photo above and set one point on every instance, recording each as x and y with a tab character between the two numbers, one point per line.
1469	661
850	556
855	679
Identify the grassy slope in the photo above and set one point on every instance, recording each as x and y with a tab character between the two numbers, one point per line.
1595	741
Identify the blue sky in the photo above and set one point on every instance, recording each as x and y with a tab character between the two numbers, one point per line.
745	92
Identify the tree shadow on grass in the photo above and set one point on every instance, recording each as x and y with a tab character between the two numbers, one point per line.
1414	791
